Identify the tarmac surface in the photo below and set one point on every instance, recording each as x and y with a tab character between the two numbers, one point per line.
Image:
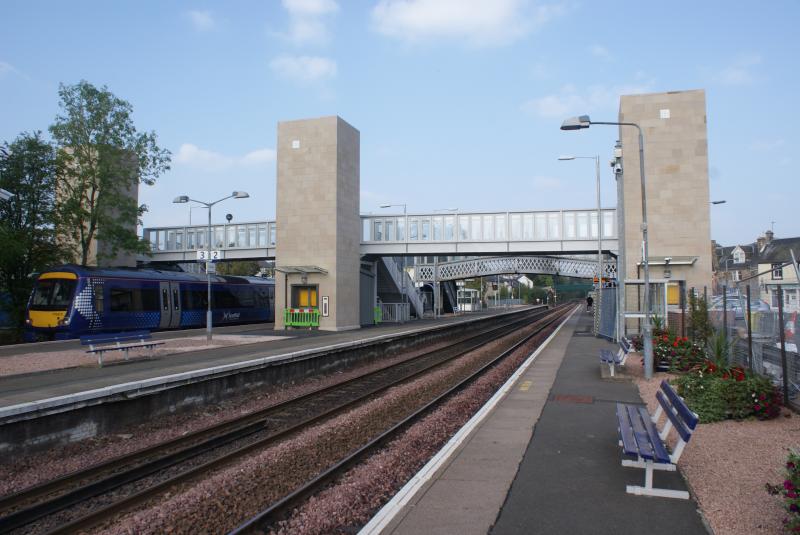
546	460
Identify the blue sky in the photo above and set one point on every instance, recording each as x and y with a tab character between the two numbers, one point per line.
458	102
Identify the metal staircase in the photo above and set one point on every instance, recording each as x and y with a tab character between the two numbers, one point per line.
395	284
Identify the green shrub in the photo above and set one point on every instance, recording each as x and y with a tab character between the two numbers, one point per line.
717	396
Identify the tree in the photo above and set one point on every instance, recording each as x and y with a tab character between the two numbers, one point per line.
238	267
101	158
27	233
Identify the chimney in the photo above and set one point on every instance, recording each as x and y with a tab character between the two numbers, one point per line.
761	242
769	234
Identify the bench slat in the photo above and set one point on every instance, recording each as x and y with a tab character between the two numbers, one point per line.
660	453
689	417
115	337
625	431
677	421
115	348
645	448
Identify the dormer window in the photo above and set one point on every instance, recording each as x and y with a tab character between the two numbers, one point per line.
738	256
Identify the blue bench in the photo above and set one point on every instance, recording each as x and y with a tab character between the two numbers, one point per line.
612	359
100	343
641	438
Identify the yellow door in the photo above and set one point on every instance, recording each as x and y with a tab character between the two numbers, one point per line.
307	297
673	294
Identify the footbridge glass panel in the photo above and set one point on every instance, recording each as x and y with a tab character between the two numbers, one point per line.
545	231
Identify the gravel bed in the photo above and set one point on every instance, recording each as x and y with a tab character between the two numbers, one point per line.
362	491
72	358
726	465
19	472
232	494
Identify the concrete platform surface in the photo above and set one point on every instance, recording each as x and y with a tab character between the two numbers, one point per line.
18	390
546	460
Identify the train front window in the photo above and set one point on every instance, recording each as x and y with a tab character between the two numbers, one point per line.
53	294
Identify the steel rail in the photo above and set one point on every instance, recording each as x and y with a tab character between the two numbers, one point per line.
282	506
227	432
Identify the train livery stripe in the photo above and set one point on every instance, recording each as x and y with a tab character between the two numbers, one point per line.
58	275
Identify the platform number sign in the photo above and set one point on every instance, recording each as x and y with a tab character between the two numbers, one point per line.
209	256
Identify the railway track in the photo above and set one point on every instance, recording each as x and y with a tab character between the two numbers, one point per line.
94	495
261	522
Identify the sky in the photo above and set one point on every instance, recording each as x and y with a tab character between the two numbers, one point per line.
458	102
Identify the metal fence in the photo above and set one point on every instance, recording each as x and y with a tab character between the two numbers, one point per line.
394	312
762	337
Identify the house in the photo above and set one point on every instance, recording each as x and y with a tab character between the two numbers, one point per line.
772	255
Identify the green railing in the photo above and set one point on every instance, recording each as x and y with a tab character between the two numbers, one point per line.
301	317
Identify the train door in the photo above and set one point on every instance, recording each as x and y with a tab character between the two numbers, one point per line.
170	300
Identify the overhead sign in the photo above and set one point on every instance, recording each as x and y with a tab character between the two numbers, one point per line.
209	256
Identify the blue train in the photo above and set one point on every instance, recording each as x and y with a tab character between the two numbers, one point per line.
69	301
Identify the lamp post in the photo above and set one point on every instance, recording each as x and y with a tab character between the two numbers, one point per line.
578	123
184	199
599	231
403	274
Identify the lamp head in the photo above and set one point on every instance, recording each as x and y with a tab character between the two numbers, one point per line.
565	158
181	199
576	123
5	194
719	202
240	195
386	205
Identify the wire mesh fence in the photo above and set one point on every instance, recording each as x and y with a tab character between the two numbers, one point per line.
762	338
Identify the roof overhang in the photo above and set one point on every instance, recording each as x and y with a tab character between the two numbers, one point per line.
301	270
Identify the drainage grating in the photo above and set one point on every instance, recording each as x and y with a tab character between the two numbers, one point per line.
571	398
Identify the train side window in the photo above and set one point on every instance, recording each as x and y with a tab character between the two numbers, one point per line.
99	298
175	303
164	299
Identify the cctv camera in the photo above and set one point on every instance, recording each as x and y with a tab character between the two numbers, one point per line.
667	259
617	168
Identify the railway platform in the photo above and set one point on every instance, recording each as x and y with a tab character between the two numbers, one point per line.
190	377
545	459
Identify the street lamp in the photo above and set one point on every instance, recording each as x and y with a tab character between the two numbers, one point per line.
403	274
599	230
719	202
184	199
583	121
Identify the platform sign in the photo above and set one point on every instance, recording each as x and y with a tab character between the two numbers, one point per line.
325	305
209	256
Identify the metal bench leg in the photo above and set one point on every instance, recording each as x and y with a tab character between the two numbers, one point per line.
611	369
648	489
100	359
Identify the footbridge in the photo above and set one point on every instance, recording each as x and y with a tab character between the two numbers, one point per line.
506	265
545	232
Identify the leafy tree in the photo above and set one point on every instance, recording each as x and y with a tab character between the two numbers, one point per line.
238	267
101	158
27	235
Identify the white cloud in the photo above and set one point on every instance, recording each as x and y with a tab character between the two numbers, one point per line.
191	155
740	71
310	8
477	22
303	69
600	51
202	21
569	101
6	68
306	20
259	157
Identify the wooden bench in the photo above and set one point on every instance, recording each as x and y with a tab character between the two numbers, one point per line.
100	343
640	437
612	359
